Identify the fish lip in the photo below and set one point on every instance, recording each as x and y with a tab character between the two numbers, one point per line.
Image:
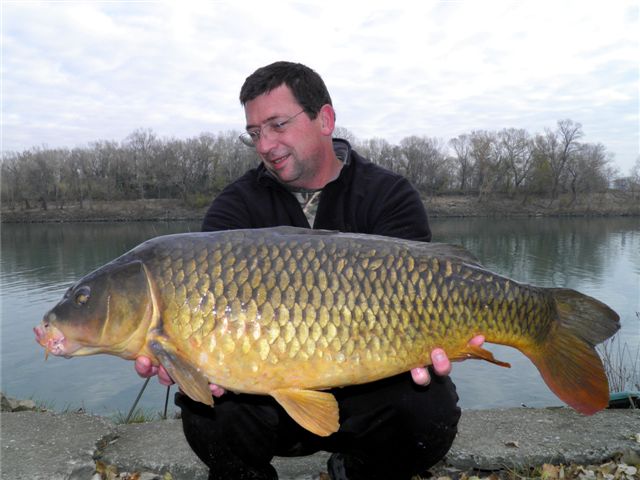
51	338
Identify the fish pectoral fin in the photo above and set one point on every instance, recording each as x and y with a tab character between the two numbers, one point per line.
313	410
478	353
189	379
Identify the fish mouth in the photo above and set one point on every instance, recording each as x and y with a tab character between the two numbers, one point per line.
51	338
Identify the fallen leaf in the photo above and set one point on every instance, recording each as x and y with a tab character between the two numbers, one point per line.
627	469
550	472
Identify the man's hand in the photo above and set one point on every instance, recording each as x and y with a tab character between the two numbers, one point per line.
145	369
441	363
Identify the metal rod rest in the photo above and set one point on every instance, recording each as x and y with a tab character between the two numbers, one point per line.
137	399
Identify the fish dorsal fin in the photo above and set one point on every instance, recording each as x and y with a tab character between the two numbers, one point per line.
452	250
313	410
189	379
478	353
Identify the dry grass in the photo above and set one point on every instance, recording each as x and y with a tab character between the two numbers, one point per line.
621	364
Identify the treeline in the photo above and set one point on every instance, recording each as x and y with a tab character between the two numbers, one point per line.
482	163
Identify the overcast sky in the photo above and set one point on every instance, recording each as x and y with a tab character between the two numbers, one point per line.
76	72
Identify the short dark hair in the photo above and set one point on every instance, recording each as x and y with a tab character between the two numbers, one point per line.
306	85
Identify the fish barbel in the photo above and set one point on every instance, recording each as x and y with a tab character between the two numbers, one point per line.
291	312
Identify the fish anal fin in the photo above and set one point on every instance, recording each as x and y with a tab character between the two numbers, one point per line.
478	353
189	379
313	410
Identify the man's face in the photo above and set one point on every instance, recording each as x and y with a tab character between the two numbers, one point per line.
294	153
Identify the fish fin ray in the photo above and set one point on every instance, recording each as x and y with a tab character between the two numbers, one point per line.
189	379
313	410
452	251
478	353
568	360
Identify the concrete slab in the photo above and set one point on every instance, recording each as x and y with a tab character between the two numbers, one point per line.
525	437
49	446
37	445
155	446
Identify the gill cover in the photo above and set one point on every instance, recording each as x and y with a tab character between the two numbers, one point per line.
107	311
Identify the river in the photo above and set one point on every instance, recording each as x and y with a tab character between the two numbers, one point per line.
597	256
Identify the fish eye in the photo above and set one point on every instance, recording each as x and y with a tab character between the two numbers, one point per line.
82	296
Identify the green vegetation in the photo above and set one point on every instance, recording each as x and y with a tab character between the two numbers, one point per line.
139	415
482	164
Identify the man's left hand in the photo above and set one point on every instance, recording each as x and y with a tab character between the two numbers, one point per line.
440	362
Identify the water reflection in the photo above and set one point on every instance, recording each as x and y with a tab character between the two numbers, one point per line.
546	251
49	252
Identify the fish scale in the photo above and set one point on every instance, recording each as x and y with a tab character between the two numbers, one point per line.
292	312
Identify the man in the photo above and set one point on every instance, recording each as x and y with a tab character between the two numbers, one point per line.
391	429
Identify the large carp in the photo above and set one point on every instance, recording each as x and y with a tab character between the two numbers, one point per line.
290	312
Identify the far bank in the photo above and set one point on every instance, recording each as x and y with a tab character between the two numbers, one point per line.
600	204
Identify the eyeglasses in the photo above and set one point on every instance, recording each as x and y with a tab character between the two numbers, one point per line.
251	137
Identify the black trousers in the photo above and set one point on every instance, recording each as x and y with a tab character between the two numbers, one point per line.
391	429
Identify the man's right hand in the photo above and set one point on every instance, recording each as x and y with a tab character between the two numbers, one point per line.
146	369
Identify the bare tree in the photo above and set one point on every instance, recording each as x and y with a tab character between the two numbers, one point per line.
462	147
380	152
345	134
141	147
194	169
517	151
12	180
489	164
557	148
424	163
634	178
587	169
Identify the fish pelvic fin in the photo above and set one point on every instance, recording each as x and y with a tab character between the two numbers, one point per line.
313	410
189	378
568	360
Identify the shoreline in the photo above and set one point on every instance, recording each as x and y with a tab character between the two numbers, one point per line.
594	205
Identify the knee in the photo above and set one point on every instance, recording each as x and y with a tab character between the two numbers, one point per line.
244	427
442	401
436	426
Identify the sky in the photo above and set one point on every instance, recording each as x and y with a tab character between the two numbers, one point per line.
76	72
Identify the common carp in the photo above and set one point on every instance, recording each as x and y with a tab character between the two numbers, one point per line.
291	312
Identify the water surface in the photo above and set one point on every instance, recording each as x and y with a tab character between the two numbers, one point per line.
599	257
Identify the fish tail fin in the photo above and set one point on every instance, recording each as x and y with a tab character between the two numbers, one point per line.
567	359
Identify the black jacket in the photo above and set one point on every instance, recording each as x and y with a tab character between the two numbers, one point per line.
365	198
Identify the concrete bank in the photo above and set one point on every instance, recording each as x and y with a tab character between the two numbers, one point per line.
44	445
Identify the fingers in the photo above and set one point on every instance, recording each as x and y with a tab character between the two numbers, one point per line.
420	376
440	362
144	368
216	390
441	366
163	376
